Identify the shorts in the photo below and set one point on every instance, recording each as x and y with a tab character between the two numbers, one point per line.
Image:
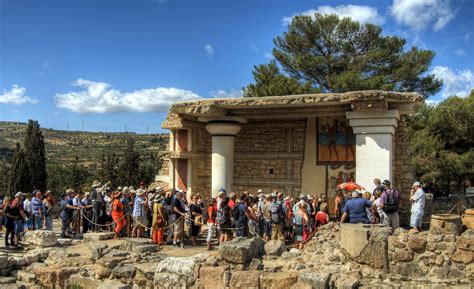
140	221
416	219
267	227
299	232
179	227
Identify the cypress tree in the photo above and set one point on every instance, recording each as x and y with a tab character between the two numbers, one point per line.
129	170
19	179
35	155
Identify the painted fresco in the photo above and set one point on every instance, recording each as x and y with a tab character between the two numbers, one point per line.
336	175
336	141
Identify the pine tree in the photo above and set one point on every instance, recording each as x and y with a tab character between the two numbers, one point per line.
338	54
19	179
35	155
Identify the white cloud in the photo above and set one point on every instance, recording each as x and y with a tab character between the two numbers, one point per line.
209	50
457	83
361	13
16	96
419	14
99	97
220	93
460	52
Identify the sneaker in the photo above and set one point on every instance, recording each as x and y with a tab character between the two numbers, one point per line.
175	245
182	245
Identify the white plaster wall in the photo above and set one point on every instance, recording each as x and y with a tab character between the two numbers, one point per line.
374	158
312	176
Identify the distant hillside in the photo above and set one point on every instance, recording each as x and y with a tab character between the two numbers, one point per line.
62	146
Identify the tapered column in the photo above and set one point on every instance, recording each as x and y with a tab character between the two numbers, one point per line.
223	135
374	132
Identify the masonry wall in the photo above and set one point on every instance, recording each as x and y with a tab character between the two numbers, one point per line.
268	155
403	176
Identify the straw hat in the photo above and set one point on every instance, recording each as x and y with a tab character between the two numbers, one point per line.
96	184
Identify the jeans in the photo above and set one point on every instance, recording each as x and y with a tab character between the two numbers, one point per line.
241	229
38	221
65	218
19	228
48	220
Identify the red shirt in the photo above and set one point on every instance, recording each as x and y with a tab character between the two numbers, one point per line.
231	204
321	218
211	212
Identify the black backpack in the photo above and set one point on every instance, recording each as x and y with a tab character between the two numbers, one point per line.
390	204
276	213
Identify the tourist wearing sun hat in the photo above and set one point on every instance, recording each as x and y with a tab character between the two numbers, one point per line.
97	202
139	213
418	200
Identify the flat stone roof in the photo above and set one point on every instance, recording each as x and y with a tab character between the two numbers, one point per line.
251	107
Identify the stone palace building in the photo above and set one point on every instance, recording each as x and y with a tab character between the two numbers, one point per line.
293	144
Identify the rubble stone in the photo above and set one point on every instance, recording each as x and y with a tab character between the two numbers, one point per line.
278	280
245	279
241	250
40	238
275	247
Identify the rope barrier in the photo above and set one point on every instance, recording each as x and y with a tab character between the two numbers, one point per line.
101	225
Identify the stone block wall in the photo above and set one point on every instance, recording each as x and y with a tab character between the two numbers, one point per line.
268	155
402	171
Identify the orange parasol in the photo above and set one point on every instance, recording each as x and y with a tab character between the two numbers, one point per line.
350	186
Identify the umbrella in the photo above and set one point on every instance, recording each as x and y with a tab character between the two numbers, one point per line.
351	186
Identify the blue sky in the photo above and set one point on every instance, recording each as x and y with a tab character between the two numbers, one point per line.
114	63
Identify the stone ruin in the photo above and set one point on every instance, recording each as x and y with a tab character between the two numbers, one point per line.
347	256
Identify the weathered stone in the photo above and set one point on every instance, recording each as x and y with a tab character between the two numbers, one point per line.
315	280
25	276
130	244
245	279
102	272
460	256
99	236
275	247
110	262
301	285
40	238
255	264
64	242
439	260
375	252
7	280
108	284
402	256
145	248
464	243
242	250
124	271
346	282
116	253
53	276
441	272
176	272
144	273
96	250
395	242
3	261
455	273
334	258
281	280
78	281
294	252
417	244
212	277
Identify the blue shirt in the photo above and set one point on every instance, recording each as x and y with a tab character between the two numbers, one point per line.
37	205
356	210
138	209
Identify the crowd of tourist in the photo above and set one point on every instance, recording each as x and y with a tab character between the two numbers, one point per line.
170	217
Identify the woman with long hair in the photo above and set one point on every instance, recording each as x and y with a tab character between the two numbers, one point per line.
301	222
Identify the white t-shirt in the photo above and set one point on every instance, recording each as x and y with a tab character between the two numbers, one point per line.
27	206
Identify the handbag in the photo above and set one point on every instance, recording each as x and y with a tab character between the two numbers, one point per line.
159	222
